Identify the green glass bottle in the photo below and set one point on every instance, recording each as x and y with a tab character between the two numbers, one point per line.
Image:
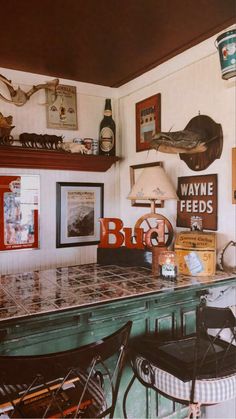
107	132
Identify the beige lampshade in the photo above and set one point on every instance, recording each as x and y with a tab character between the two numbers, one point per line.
152	184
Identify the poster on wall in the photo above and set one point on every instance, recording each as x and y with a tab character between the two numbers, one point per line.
197	200
19	212
62	109
148	121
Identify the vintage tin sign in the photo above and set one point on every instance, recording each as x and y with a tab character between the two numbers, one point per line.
196	253
197	198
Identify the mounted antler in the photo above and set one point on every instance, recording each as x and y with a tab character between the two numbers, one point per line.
19	97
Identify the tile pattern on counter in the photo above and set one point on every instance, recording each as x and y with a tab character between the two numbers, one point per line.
81	285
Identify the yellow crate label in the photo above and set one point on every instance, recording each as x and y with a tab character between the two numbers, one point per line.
196	240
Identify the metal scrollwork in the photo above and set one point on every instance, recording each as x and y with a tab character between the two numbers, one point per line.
222	264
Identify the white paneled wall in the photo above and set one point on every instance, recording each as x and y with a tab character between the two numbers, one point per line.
48	256
187	89
32	118
189	83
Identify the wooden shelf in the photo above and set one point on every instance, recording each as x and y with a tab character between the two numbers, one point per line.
19	157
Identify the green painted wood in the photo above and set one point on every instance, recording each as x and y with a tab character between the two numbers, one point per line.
171	314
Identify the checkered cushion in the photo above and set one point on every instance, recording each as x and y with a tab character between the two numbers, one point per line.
207	391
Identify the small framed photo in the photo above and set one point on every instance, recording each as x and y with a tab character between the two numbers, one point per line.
234	175
19	211
135	171
62	108
78	209
148	121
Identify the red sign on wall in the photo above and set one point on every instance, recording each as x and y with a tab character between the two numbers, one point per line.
19	202
197	198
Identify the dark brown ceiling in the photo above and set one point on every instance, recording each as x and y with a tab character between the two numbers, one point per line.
106	42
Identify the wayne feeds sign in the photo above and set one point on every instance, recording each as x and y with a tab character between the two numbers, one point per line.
197	198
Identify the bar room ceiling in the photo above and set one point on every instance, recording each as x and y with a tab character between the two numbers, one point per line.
105	42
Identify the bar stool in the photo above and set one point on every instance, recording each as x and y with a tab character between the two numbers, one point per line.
81	382
195	370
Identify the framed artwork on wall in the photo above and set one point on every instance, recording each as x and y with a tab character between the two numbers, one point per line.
234	175
135	171
62	108
19	212
78	209
148	121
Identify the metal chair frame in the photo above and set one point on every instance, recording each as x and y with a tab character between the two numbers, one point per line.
84	368
212	356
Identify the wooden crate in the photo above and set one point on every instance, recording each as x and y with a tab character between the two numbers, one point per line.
196	253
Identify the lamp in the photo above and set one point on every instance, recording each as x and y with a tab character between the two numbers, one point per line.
153	184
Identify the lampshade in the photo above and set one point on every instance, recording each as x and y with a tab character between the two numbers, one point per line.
152	184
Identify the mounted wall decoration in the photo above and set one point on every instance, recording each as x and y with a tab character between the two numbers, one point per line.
62	108
234	175
197	198
198	145
148	121
19	97
19	212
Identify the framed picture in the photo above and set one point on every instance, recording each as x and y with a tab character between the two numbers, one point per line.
19	212
78	209
135	171
234	175
148	121
62	108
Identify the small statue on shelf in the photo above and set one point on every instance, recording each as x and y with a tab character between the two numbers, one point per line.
5	129
74	147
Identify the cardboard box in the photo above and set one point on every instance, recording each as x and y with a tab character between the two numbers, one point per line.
196	253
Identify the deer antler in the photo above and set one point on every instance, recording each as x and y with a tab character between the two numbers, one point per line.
19	97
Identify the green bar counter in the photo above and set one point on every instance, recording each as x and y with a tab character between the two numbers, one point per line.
58	309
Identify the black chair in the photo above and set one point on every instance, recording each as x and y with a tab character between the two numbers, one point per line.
195	370
81	382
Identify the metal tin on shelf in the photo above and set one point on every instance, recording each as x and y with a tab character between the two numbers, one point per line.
88	144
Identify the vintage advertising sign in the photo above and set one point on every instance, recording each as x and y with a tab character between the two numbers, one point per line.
196	253
19	209
197	199
62	109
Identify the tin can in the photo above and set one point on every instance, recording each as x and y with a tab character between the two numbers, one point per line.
88	144
95	147
167	265
78	140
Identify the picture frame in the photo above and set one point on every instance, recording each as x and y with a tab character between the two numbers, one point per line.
62	108
135	171
19	211
78	209
234	175
148	121
198	202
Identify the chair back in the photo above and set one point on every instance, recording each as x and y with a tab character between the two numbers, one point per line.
84	369
215	317
213	353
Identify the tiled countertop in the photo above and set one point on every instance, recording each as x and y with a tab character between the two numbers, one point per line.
51	290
